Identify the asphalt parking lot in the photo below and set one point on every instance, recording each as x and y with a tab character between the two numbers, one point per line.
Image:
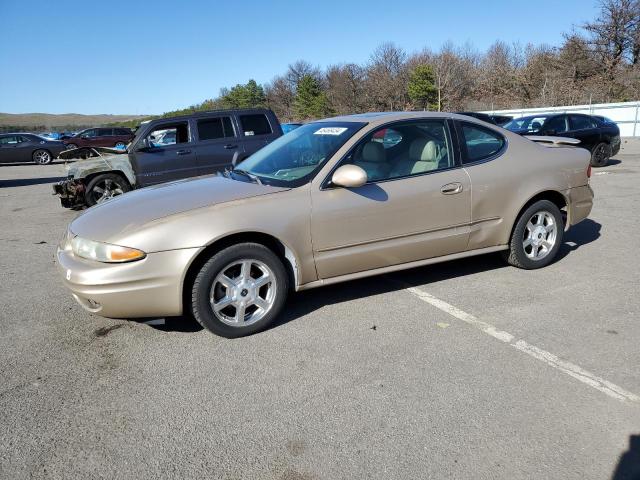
469	369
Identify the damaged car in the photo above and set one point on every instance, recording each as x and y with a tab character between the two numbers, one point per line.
165	150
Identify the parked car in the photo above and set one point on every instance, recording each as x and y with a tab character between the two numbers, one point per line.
27	147
287	127
499	120
599	135
324	204
169	149
100	137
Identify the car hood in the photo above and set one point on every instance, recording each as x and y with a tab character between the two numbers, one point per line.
128	213
81	168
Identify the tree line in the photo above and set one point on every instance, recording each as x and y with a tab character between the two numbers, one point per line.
597	63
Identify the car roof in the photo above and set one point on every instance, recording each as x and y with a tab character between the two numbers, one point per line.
376	118
228	111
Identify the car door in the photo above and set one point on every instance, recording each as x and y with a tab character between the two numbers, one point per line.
104	138
255	131
165	153
25	147
88	138
217	146
8	144
416	204
585	130
15	148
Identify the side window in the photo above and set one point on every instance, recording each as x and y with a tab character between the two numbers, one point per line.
556	125
213	128
480	142
256	124
122	131
406	149
93	132
105	132
171	134
578	122
12	140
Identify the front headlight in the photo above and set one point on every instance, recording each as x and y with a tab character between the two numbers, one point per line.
104	252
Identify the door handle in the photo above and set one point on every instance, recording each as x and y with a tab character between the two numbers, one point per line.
451	188
230	146
183	152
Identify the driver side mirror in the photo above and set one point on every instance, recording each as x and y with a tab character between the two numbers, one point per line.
349	176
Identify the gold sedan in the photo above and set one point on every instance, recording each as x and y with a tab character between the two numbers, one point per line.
334	200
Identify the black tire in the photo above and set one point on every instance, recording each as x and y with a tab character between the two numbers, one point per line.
517	254
600	155
42	157
200	293
112	181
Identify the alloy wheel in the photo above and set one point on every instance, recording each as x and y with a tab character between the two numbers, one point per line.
106	190
42	157
243	292
540	234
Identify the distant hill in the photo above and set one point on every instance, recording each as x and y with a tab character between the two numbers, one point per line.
64	121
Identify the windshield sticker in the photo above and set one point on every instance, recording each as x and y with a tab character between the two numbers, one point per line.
330	131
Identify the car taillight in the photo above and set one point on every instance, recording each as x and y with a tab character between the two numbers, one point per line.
589	171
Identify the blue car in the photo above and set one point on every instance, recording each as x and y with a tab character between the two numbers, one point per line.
287	127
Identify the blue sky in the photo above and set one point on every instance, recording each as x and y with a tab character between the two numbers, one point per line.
139	57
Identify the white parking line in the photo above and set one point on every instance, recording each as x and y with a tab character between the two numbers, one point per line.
550	359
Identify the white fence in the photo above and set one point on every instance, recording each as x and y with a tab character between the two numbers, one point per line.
625	114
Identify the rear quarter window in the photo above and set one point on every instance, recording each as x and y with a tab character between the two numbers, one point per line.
255	124
480	143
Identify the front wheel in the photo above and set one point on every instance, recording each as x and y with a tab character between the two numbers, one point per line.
42	157
120	145
240	290
536	237
600	155
104	187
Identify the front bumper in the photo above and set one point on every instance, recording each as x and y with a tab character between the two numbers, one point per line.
71	192
151	287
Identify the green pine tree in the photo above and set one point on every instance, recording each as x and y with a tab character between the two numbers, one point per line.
422	87
310	102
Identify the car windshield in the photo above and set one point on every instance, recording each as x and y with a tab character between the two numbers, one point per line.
293	159
530	124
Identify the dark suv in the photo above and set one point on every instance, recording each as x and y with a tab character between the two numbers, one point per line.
100	137
170	149
599	135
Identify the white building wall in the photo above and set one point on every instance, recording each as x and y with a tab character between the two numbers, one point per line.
625	114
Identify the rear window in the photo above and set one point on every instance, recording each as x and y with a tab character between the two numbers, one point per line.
256	124
578	122
212	128
122	131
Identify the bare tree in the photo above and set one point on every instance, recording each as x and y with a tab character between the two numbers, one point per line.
345	88
387	78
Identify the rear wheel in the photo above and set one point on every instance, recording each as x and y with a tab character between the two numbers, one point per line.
120	145
42	157
240	290
600	155
537	236
104	187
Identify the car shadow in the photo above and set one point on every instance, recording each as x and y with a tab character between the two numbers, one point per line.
612	162
25	182
303	303
628	467
583	233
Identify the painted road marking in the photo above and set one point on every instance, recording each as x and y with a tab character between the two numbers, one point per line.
586	377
